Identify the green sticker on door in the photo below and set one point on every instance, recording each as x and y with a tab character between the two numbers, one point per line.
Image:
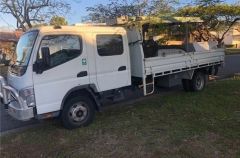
84	61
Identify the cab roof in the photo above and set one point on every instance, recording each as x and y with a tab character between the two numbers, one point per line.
86	28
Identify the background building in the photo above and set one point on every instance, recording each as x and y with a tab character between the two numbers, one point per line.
233	37
8	42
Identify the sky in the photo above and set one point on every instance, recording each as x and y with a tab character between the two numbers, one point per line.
78	10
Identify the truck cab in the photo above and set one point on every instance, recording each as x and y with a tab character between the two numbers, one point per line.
55	63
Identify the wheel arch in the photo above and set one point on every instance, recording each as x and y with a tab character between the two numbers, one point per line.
204	70
190	73
89	90
209	70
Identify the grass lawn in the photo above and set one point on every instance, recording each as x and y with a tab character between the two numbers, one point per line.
204	124
232	51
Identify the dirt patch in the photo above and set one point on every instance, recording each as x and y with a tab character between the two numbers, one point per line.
208	145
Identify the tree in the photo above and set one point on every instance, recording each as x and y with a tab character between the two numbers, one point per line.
219	18
58	20
205	3
30	12
161	7
113	9
116	8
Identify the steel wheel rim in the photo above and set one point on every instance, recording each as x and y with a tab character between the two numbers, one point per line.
78	112
199	82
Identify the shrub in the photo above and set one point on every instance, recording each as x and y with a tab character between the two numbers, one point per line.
230	45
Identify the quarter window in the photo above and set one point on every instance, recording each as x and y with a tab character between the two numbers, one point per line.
63	48
109	45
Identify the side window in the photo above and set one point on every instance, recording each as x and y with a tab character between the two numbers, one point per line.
63	48
109	45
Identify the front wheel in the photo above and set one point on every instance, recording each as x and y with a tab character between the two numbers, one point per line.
78	112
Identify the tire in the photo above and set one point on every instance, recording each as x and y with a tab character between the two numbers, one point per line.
198	82
186	85
78	112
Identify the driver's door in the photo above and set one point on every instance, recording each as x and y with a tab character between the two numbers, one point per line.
68	68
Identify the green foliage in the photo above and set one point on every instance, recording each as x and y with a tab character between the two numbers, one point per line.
229	45
221	13
208	2
161	7
116	8
58	20
232	50
219	18
113	9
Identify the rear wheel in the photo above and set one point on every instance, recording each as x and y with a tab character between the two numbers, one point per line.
78	112
198	81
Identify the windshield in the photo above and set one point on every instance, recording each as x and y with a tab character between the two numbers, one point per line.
24	48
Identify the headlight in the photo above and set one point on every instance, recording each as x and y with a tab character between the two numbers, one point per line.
28	97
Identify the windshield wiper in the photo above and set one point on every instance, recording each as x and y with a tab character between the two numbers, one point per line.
14	63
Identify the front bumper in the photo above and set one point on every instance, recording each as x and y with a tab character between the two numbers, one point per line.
15	106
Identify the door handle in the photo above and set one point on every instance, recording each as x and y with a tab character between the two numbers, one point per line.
82	74
122	68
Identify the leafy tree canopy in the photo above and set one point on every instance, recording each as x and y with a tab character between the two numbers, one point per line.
208	2
116	8
218	17
58	20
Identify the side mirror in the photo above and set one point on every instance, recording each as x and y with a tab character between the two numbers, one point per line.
45	56
40	65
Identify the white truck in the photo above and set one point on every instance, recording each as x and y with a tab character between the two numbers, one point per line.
67	71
